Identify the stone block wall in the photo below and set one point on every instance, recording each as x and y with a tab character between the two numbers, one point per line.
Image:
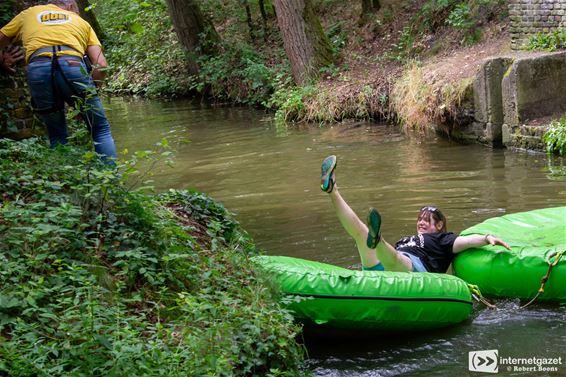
16	117
514	98
529	17
534	88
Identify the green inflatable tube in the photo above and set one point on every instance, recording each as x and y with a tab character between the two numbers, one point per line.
325	296
536	238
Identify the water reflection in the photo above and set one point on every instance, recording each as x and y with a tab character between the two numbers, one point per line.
269	176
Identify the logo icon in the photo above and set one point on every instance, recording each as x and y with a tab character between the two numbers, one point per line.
483	361
53	18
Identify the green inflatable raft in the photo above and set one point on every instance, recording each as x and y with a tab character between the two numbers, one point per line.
325	296
537	239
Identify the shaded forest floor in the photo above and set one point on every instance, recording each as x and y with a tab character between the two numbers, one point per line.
379	54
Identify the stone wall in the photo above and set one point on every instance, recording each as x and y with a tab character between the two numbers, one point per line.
16	117
529	17
514	100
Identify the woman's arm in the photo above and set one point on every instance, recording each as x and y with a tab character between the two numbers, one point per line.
476	240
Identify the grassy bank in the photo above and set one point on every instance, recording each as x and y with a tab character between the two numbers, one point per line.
98	279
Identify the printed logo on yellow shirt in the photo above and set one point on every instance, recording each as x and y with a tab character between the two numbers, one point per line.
53	18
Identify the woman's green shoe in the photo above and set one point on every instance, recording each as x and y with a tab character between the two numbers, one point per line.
327	168
374	226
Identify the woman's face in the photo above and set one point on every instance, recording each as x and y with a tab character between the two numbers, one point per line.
426	224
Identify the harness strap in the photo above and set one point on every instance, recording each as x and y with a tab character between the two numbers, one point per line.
55	66
51	49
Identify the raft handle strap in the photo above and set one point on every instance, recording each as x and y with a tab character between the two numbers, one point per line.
476	294
558	255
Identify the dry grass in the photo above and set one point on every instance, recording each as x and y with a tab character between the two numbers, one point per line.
420	99
411	96
356	102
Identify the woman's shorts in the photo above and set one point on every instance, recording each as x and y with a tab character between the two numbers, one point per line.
418	265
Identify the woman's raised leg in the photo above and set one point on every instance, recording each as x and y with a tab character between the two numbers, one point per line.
358	230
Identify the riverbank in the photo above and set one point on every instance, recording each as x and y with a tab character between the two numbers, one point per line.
99	278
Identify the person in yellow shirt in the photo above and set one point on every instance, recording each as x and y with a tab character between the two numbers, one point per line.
55	39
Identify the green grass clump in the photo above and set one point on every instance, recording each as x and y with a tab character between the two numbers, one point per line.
99	280
555	137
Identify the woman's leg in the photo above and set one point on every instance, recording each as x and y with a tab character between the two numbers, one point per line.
358	230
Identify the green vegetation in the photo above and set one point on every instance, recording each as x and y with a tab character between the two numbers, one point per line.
555	137
101	280
6	11
147	58
548	41
251	68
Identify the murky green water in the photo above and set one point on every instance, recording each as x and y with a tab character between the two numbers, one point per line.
269	177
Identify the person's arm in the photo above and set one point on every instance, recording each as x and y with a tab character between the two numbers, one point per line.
98	61
8	59
4	40
476	240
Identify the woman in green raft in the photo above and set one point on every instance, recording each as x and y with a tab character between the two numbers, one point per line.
432	249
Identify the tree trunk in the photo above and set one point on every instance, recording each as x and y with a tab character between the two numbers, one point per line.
263	18
369	7
249	18
195	32
90	17
306	45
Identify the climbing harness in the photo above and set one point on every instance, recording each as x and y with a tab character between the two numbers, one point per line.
55	66
476	294
50	49
557	255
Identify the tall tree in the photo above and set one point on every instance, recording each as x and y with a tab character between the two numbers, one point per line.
306	45
88	16
195	32
369	7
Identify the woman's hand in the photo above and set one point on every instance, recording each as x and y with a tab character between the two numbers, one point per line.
491	240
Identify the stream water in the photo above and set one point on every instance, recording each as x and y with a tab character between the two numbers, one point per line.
269	176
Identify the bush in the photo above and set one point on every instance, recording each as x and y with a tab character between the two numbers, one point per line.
147	58
553	41
100	280
144	54
555	137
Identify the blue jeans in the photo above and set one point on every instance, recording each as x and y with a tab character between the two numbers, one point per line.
79	83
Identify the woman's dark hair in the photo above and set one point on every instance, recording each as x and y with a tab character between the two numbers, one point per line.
430	211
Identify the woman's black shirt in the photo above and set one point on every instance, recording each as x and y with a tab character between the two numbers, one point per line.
434	249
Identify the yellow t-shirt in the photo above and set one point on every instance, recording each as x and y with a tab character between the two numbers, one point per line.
49	25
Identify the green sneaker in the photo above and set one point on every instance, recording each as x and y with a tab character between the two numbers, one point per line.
374	225
327	168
